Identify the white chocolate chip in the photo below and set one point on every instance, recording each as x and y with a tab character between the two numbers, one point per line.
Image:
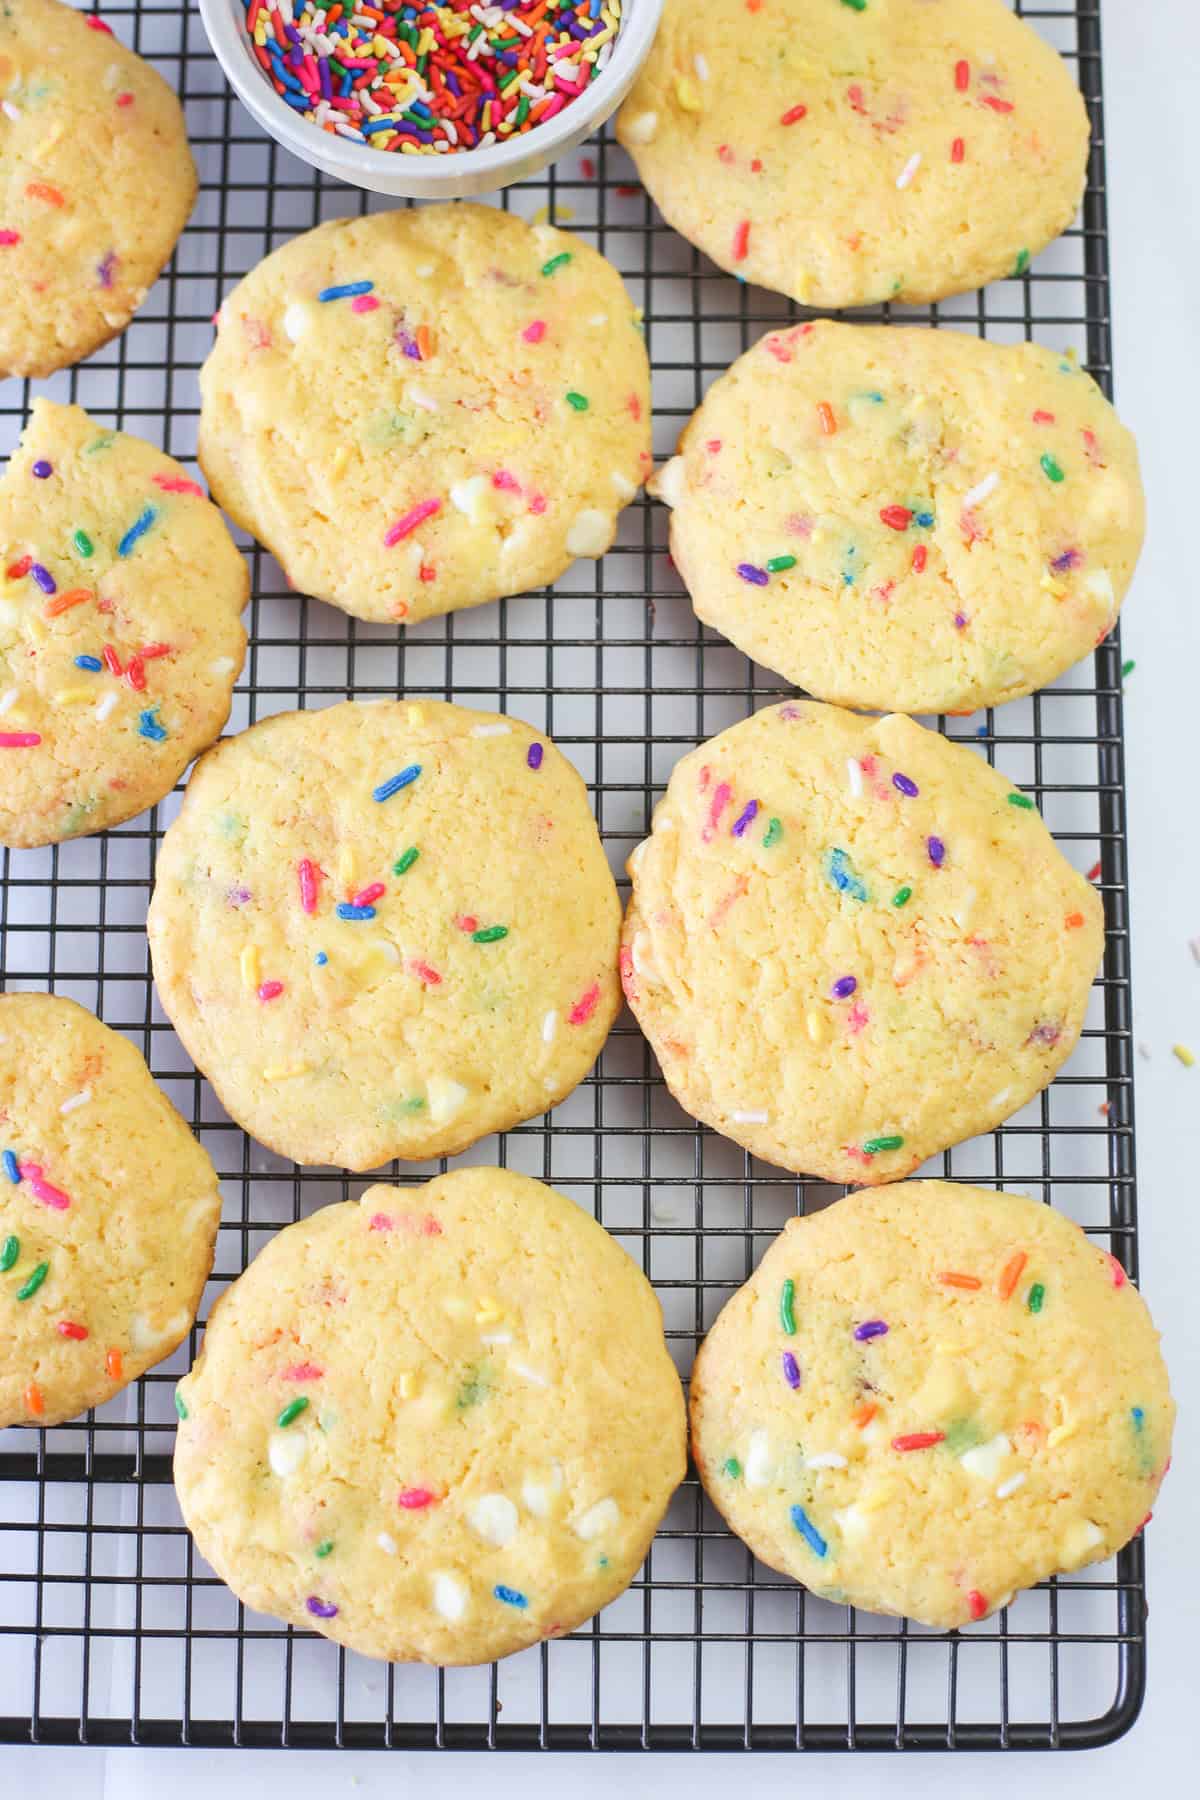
470	497
536	1496
1099	585
642	128
852	1523
668	482
224	665
386	1543
605	1516
286	1450
296	320
495	1519
625	488
759	1465
446	1098
985	1459
449	1596
591	532
1078	1542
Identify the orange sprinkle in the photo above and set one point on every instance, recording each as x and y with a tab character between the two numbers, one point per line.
62	603
34	1400
1074	921
825	414
958	150
864	1414
948	1278
114	1362
741	241
1010	1274
42	190
424	342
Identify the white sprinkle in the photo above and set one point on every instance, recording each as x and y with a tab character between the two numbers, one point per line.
496	1337
598	319
424	400
106	706
224	665
10	111
424	270
910	168
626	489
759	1468
701	65
498	730
549	1028
449	1595
8	699
591	532
749	1118
1001	1099
987	486
495	1519
828	1459
985	1459
296	321
854	776
604	1516
642	129
386	1543
79	1099
1011	1485
526	1373
112	77
535	1497
286	1451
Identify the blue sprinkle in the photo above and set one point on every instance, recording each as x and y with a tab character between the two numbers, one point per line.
510	1596
743	824
347	291
138	529
1137	1414
346	911
149	727
809	1532
923	519
320	959
841	873
981	731
386	789
755	576
10	1167
91	663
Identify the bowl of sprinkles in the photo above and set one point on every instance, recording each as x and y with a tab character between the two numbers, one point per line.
431	102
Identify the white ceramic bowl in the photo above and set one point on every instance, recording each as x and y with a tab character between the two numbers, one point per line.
449	177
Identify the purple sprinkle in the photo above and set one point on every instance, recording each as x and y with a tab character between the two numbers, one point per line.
1070	559
937	851
844	986
743	824
756	577
41	469
106	269
44	579
903	785
871	1328
321	1609
960	619
1045	1034
239	896
791	1370
534	755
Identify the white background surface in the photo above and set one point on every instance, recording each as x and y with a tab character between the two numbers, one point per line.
1152	58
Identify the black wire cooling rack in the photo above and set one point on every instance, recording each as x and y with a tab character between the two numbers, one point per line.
112	1631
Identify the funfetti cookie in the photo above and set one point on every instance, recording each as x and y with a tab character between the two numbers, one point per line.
436	1425
928	1397
847	154
906	520
386	930
422	410
96	183
121	592
108	1213
852	944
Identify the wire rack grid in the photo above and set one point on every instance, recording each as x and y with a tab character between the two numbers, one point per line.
112	1630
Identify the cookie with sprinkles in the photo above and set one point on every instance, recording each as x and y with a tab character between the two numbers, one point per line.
424	410
108	1213
121	592
928	1397
96	183
852	944
386	930
929	523
436	1425
848	153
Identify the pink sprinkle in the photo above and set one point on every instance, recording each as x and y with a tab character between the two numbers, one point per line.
722	794
741	241
856	1018
408	524
309	876
585	1006
721	910
625	966
538	503
9	238
50	1196
413	1499
996	104
533	334
1114	1269
800	526
125	99
382	1222
1043	418
304	1371
467	922
369	895
19	740
364	303
179	484
270	990
95	24
429	977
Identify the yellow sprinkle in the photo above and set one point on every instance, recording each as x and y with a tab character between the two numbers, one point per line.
816	1027
542	215
1053	586
1060	1434
406	1384
284	1071
1186	1056
341	455
250	966
458	1309
48	142
73	696
817	537
688	95
416	716
804	284
488	1312
35	628
876	1498
346	865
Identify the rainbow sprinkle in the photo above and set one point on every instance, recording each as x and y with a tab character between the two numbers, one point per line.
435	79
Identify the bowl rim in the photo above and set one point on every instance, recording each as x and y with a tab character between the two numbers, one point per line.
224	24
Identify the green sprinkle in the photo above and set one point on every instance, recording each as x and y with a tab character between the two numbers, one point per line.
787	1312
774	833
292	1410
962	1434
1127	668
105	441
34	1282
406	861
856	5
522	112
578	401
83	543
180	1405
874	1146
1037	1294
1021	264
1051	468
557	262
324	1549
778	564
9	1253
1021	800
474	1389
491	934
902	896
732	1467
